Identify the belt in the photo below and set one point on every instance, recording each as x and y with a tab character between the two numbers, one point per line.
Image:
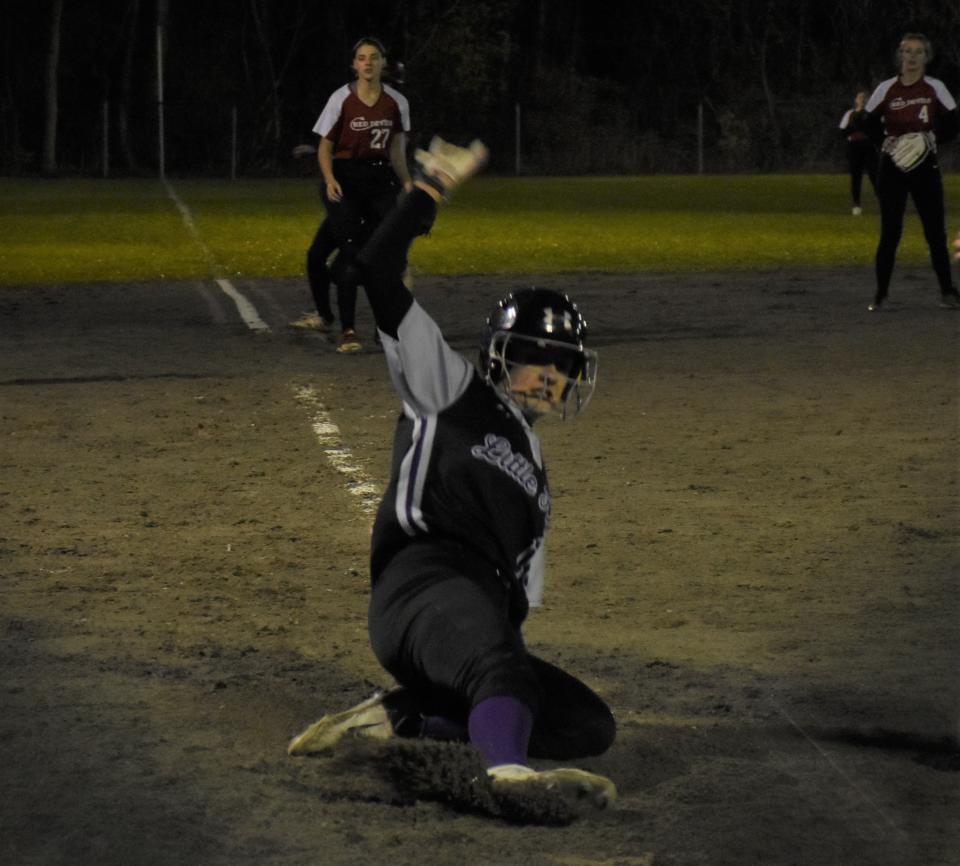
374	162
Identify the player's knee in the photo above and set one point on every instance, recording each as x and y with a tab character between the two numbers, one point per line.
344	271
598	733
503	670
316	258
890	236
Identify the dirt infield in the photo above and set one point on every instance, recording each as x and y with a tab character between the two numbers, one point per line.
754	559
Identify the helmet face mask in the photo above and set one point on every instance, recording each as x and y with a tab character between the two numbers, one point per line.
536	337
577	368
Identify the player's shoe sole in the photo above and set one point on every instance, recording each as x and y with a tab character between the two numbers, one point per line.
572	784
950	301
311	322
349	343
367	719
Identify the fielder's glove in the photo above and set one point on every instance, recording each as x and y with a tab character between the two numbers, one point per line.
445	166
909	150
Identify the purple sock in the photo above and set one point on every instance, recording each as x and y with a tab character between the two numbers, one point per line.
500	730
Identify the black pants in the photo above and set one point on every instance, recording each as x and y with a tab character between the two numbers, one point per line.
861	157
369	193
448	629
925	186
323	246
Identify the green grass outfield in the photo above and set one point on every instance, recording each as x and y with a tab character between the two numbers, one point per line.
62	231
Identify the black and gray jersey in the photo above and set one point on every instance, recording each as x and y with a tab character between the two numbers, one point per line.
467	466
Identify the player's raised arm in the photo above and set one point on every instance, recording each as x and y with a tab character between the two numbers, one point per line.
443	168
427	373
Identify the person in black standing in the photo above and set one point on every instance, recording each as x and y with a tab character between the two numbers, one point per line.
457	553
860	150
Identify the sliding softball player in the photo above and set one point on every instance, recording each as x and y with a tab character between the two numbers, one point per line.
458	543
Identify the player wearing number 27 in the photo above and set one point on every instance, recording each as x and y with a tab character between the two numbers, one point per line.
362	157
912	114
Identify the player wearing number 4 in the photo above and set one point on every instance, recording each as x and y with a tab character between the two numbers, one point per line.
362	158
912	114
457	550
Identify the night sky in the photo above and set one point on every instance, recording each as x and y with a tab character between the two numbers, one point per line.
602	86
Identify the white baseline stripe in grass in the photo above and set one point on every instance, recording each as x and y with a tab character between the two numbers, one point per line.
339	455
248	312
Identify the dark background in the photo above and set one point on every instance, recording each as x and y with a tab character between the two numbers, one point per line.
601	87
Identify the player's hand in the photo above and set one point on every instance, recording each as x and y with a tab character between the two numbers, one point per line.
956	248
334	191
445	166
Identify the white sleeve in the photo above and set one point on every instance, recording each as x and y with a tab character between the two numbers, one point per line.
331	111
427	373
943	94
878	95
845	120
536	577
402	104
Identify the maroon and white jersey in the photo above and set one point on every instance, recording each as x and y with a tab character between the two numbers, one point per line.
907	108
361	131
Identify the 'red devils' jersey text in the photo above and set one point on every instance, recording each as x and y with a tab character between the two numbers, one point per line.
360	131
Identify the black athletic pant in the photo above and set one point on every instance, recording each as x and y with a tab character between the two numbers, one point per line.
861	157
925	186
324	243
446	626
369	193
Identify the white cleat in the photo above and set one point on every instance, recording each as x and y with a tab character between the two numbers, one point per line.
367	719
349	343
310	322
569	782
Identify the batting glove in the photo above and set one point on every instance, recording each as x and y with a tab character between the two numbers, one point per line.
445	166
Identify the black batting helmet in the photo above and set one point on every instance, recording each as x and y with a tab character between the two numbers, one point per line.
540	327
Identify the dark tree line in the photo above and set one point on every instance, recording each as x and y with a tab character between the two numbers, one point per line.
592	87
